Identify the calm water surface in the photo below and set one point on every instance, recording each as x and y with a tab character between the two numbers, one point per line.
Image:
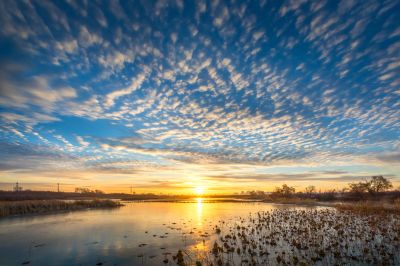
140	233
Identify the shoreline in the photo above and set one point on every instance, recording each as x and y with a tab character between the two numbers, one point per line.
54	206
39	207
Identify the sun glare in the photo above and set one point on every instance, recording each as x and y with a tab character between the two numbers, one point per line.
199	190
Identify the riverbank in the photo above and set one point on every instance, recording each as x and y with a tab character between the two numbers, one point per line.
381	207
370	208
10	208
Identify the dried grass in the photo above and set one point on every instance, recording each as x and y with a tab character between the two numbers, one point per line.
371	207
8	208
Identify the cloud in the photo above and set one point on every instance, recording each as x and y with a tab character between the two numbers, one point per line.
87	38
69	46
32	118
82	141
389	157
25	93
209	89
22	157
282	177
135	85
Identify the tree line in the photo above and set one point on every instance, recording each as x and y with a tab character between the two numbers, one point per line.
374	186
369	187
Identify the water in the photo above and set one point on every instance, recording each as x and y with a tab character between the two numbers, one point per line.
115	237
151	233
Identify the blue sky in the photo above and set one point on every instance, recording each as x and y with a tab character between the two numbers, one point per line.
173	95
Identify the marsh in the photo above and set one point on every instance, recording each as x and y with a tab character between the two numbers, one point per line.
152	233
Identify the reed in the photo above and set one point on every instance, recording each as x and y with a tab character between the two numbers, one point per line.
311	236
371	207
294	200
8	208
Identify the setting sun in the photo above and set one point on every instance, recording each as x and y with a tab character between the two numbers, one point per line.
199	190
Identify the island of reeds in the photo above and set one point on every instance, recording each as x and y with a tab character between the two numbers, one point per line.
9	208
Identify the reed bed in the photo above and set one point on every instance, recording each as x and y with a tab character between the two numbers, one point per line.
298	237
8	208
371	207
294	200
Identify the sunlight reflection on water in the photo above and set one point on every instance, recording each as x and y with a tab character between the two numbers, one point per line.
138	232
199	210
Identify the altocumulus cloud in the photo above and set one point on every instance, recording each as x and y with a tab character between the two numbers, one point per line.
216	90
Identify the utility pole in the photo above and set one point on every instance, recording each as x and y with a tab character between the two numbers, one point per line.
17	188
58	187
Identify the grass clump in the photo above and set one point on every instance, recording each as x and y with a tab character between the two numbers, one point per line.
8	208
371	207
294	200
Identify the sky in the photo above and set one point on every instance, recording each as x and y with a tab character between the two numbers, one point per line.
184	96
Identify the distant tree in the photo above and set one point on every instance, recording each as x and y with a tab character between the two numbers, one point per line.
358	188
285	190
379	184
260	193
374	185
256	193
327	195
310	190
82	190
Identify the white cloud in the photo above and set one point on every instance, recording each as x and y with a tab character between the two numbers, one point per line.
82	141
87	38
135	85
69	46
174	37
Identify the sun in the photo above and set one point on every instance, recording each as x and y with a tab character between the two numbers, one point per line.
199	190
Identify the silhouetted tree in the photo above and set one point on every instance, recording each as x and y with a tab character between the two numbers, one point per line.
379	184
358	188
256	193
310	190
374	185
82	190
285	190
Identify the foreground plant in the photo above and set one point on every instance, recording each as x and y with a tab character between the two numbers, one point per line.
322	236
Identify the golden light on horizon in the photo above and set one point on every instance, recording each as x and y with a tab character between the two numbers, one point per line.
199	190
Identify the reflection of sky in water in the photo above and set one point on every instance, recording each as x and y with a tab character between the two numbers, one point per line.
114	236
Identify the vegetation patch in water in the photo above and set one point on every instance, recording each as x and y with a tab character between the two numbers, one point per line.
8	208
371	208
301	237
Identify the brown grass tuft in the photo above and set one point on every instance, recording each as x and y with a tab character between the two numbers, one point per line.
8	208
371	207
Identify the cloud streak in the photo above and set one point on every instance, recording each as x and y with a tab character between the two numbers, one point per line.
127	88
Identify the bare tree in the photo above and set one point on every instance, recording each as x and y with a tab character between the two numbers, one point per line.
358	188
310	190
379	184
374	185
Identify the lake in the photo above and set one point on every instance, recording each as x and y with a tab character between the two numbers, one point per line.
139	233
